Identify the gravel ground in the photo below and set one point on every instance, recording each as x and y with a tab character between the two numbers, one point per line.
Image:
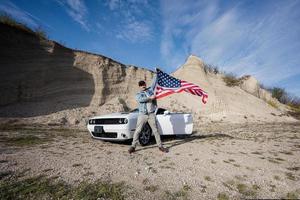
224	161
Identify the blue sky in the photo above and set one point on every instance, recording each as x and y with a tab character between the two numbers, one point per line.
256	37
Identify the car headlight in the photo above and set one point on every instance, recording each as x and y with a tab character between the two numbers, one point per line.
123	121
92	121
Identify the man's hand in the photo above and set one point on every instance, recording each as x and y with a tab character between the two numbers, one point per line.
152	97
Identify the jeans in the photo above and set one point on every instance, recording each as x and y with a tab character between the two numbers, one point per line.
141	121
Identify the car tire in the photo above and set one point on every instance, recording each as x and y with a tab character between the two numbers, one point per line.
145	135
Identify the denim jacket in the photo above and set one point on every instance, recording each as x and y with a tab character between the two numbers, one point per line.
143	99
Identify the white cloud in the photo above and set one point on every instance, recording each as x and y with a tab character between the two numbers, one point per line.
113	4
179	21
132	26
264	44
77	11
136	31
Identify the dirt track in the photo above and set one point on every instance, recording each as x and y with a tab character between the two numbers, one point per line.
217	161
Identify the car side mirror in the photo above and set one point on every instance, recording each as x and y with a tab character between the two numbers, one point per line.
166	112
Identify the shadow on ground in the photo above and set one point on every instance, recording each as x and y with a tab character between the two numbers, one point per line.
176	140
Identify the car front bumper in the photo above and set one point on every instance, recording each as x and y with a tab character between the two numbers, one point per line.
116	132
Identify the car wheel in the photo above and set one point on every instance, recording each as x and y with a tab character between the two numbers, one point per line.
145	135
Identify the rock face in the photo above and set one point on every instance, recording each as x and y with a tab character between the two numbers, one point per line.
227	104
45	82
250	84
38	71
40	77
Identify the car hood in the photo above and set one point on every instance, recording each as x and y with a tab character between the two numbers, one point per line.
112	115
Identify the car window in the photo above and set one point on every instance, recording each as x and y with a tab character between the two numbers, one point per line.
160	111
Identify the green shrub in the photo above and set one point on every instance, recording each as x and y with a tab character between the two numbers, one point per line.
294	111
279	94
273	104
231	80
10	21
40	33
41	187
208	68
222	196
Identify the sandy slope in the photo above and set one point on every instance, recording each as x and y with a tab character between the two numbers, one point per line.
230	104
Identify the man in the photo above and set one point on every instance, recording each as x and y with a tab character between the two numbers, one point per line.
147	107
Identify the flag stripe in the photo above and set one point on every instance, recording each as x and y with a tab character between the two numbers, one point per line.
168	85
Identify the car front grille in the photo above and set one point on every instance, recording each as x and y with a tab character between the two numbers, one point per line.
110	121
106	135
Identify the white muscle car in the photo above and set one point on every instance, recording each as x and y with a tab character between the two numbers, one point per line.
121	126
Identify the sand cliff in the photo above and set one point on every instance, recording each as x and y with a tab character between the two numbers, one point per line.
45	82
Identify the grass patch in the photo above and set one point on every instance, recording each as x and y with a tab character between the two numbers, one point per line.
47	170
245	190
255	187
286	152
231	80
20	134
10	21
239	177
290	176
273	161
145	181
257	153
292	195
89	174
151	188
294	111
276	178
182	193
250	169
41	187
273	104
222	196
229	184
272	188
23	140
186	187
77	165
5	174
208	68
242	188
164	160
293	168
236	165
280	159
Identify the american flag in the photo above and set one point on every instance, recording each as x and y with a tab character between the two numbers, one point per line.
167	85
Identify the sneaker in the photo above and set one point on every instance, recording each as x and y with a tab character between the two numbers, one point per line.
131	150
163	149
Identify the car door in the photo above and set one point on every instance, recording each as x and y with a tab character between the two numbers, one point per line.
173	123
164	125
